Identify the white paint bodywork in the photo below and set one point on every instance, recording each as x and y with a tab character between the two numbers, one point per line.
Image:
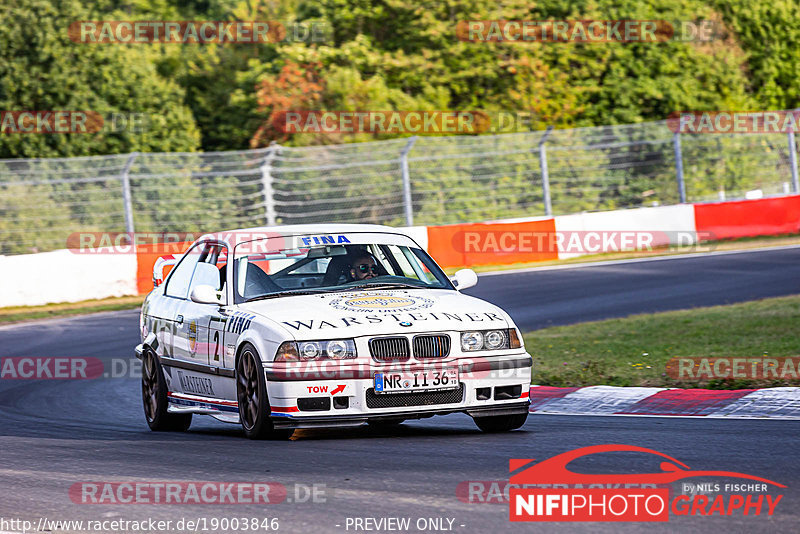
199	353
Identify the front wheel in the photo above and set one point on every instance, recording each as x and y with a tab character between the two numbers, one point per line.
154	399
251	392
501	423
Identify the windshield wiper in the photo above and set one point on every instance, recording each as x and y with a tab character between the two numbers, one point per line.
288	293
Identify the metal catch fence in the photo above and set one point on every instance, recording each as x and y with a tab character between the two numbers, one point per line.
406	181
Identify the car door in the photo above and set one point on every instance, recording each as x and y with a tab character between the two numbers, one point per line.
213	331
195	341
171	330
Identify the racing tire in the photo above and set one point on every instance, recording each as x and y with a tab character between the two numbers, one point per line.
501	423
251	394
154	399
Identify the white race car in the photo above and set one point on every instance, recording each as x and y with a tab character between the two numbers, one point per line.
305	326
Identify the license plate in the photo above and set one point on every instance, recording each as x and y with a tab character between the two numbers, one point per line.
416	381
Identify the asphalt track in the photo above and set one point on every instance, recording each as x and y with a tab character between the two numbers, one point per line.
539	298
56	433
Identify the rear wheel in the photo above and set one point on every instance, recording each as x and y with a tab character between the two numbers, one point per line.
251	392
501	423
154	399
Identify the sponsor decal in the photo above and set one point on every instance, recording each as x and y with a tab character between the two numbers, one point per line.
196	384
326	389
238	322
550	491
377	318
324	240
193	336
381	302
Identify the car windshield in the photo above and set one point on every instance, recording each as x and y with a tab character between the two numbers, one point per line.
326	263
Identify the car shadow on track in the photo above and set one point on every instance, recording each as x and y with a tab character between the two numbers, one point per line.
362	432
448	426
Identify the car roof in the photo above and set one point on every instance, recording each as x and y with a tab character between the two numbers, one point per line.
234	237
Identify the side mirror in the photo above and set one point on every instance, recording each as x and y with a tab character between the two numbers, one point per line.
204	294
463	279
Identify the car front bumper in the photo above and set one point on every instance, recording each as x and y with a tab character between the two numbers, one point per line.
343	393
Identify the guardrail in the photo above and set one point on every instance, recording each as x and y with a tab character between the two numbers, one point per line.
69	276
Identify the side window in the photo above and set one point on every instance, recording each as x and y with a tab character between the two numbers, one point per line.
178	283
402	261
378	253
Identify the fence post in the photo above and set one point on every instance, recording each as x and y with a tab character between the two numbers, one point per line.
407	202
266	184
676	145
127	203
793	161
548	206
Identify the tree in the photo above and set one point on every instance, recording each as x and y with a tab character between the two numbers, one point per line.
41	69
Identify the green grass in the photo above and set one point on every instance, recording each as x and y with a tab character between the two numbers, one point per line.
634	351
29	313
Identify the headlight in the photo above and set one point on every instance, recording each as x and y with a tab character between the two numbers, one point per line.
339	349
495	339
490	340
471	341
336	349
309	350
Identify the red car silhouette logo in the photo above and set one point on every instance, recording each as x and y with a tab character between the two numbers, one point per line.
554	470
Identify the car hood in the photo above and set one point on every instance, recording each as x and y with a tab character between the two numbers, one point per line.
380	312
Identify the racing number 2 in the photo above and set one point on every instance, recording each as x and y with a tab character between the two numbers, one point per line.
216	345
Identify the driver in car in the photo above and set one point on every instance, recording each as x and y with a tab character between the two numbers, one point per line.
363	267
